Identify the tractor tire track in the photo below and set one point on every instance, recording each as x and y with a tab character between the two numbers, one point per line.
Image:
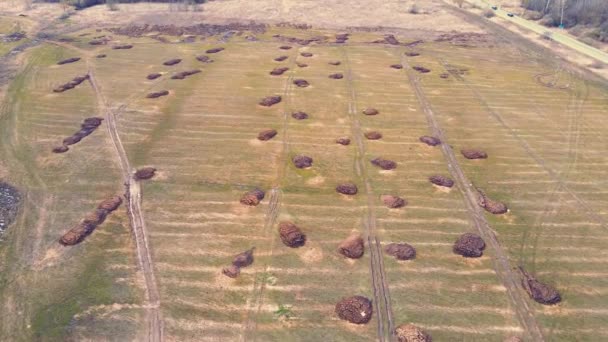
502	266
154	326
382	299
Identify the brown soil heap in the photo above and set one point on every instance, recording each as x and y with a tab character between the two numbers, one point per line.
421	69
397	66
231	271
69	60
91	122
215	50
301	83
299	115
281	58
285	47
253	197
184	74
153	76
441	181
342	38
74	139
101	56
335	63
370	111
76	234
347	189
172	62
270	100
243	259
302	162
444	75
401	251
60	149
411	54
291	235
474	154
306	54
541	293
469	245
431	141
157	94
72	84
393	202
267	134
373	135
356	309
343	141
490	205
411	333
122	47
353	247
384	164
336	76
110	204
278	71
302	65
95	217
145	173
204	59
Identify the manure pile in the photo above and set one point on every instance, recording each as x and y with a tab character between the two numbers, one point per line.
87	225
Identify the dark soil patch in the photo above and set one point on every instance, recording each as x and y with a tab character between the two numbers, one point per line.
347	189
397	66
411	54
72	140
490	205
231	271
285	47
243	259
98	42
474	154
10	200
444	75
356	309
215	50
335	63
431	141
411	333
353	247
299	115
72	84
342	38
204	59
441	181
172	62
267	134
421	69
110	204
145	173
122	47
270	100
291	235
302	65
384	164
302	162
101	56
278	71
253	197
184	74
86	226
61	149
306	54
343	141
336	76
301	83
68	61
401	251
393	202
371	111
373	135
153	76
281	58
157	94
469	245
540	292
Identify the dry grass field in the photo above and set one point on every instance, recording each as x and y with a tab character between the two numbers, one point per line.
540	123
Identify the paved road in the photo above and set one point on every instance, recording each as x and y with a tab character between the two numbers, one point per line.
562	38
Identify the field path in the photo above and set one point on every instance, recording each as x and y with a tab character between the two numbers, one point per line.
382	300
154	327
502	266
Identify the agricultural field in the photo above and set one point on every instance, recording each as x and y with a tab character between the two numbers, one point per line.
154	270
